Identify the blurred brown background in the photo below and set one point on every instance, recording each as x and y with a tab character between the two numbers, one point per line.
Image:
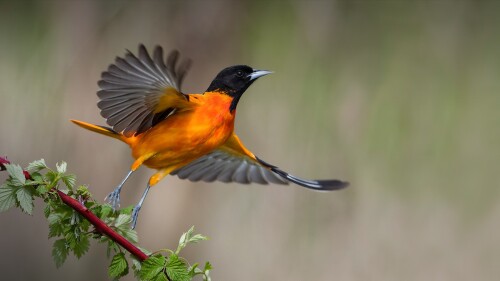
400	98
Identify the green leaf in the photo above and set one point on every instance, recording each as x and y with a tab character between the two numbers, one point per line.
16	173
194	270
161	277
7	197
54	217
37	178
206	271
56	229
127	210
177	269
197	238
69	180
136	265
112	246
208	267
75	218
82	246
25	199
122	219
52	177
36	166
83	190
129	233
42	189
61	168
47	210
59	212
60	252
118	266
152	267
105	211
187	238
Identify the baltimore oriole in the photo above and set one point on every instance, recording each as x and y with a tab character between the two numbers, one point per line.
188	135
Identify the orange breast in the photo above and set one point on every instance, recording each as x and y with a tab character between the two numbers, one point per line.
187	135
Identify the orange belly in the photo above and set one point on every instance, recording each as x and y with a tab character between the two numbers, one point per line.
186	136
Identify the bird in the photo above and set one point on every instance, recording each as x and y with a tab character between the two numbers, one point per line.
187	135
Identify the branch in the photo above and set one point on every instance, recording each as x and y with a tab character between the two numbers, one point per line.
39	181
98	224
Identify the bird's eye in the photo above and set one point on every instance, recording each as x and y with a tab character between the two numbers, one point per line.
239	73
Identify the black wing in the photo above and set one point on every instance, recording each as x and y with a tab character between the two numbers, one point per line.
132	90
222	165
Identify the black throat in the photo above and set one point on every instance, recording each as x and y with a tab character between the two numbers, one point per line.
220	86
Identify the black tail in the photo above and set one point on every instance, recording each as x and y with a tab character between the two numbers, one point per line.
312	184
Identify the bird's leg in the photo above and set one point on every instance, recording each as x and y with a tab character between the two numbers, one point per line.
114	197
137	208
154	179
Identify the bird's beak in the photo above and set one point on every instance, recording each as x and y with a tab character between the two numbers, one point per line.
258	73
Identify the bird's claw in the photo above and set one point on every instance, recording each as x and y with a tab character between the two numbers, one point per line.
114	198
135	215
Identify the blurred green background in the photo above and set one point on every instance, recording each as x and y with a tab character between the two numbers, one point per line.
401	98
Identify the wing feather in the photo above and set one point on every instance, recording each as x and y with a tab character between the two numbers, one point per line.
232	162
223	166
133	90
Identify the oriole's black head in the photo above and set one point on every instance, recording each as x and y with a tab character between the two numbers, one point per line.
234	80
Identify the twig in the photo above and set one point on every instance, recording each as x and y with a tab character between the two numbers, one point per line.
98	224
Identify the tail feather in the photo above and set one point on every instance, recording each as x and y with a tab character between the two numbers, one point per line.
98	129
312	184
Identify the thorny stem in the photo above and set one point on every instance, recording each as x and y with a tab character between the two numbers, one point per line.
98	224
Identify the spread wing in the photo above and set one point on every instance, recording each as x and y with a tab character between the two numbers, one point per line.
139	91
220	165
234	163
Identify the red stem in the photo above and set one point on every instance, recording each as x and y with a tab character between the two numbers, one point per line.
98	224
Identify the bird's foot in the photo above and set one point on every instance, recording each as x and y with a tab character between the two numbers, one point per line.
114	198
135	215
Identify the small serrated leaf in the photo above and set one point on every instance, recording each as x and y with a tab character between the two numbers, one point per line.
162	277
59	252
82	246
136	265
36	177
69	180
208	267
177	269
118	266
36	166
42	189
61	167
105	211
127	232
56	229
16	173
52	178
7	197
183	238
187	238
152	267
127	210
197	238
122	219
25	198
54	217
47	210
